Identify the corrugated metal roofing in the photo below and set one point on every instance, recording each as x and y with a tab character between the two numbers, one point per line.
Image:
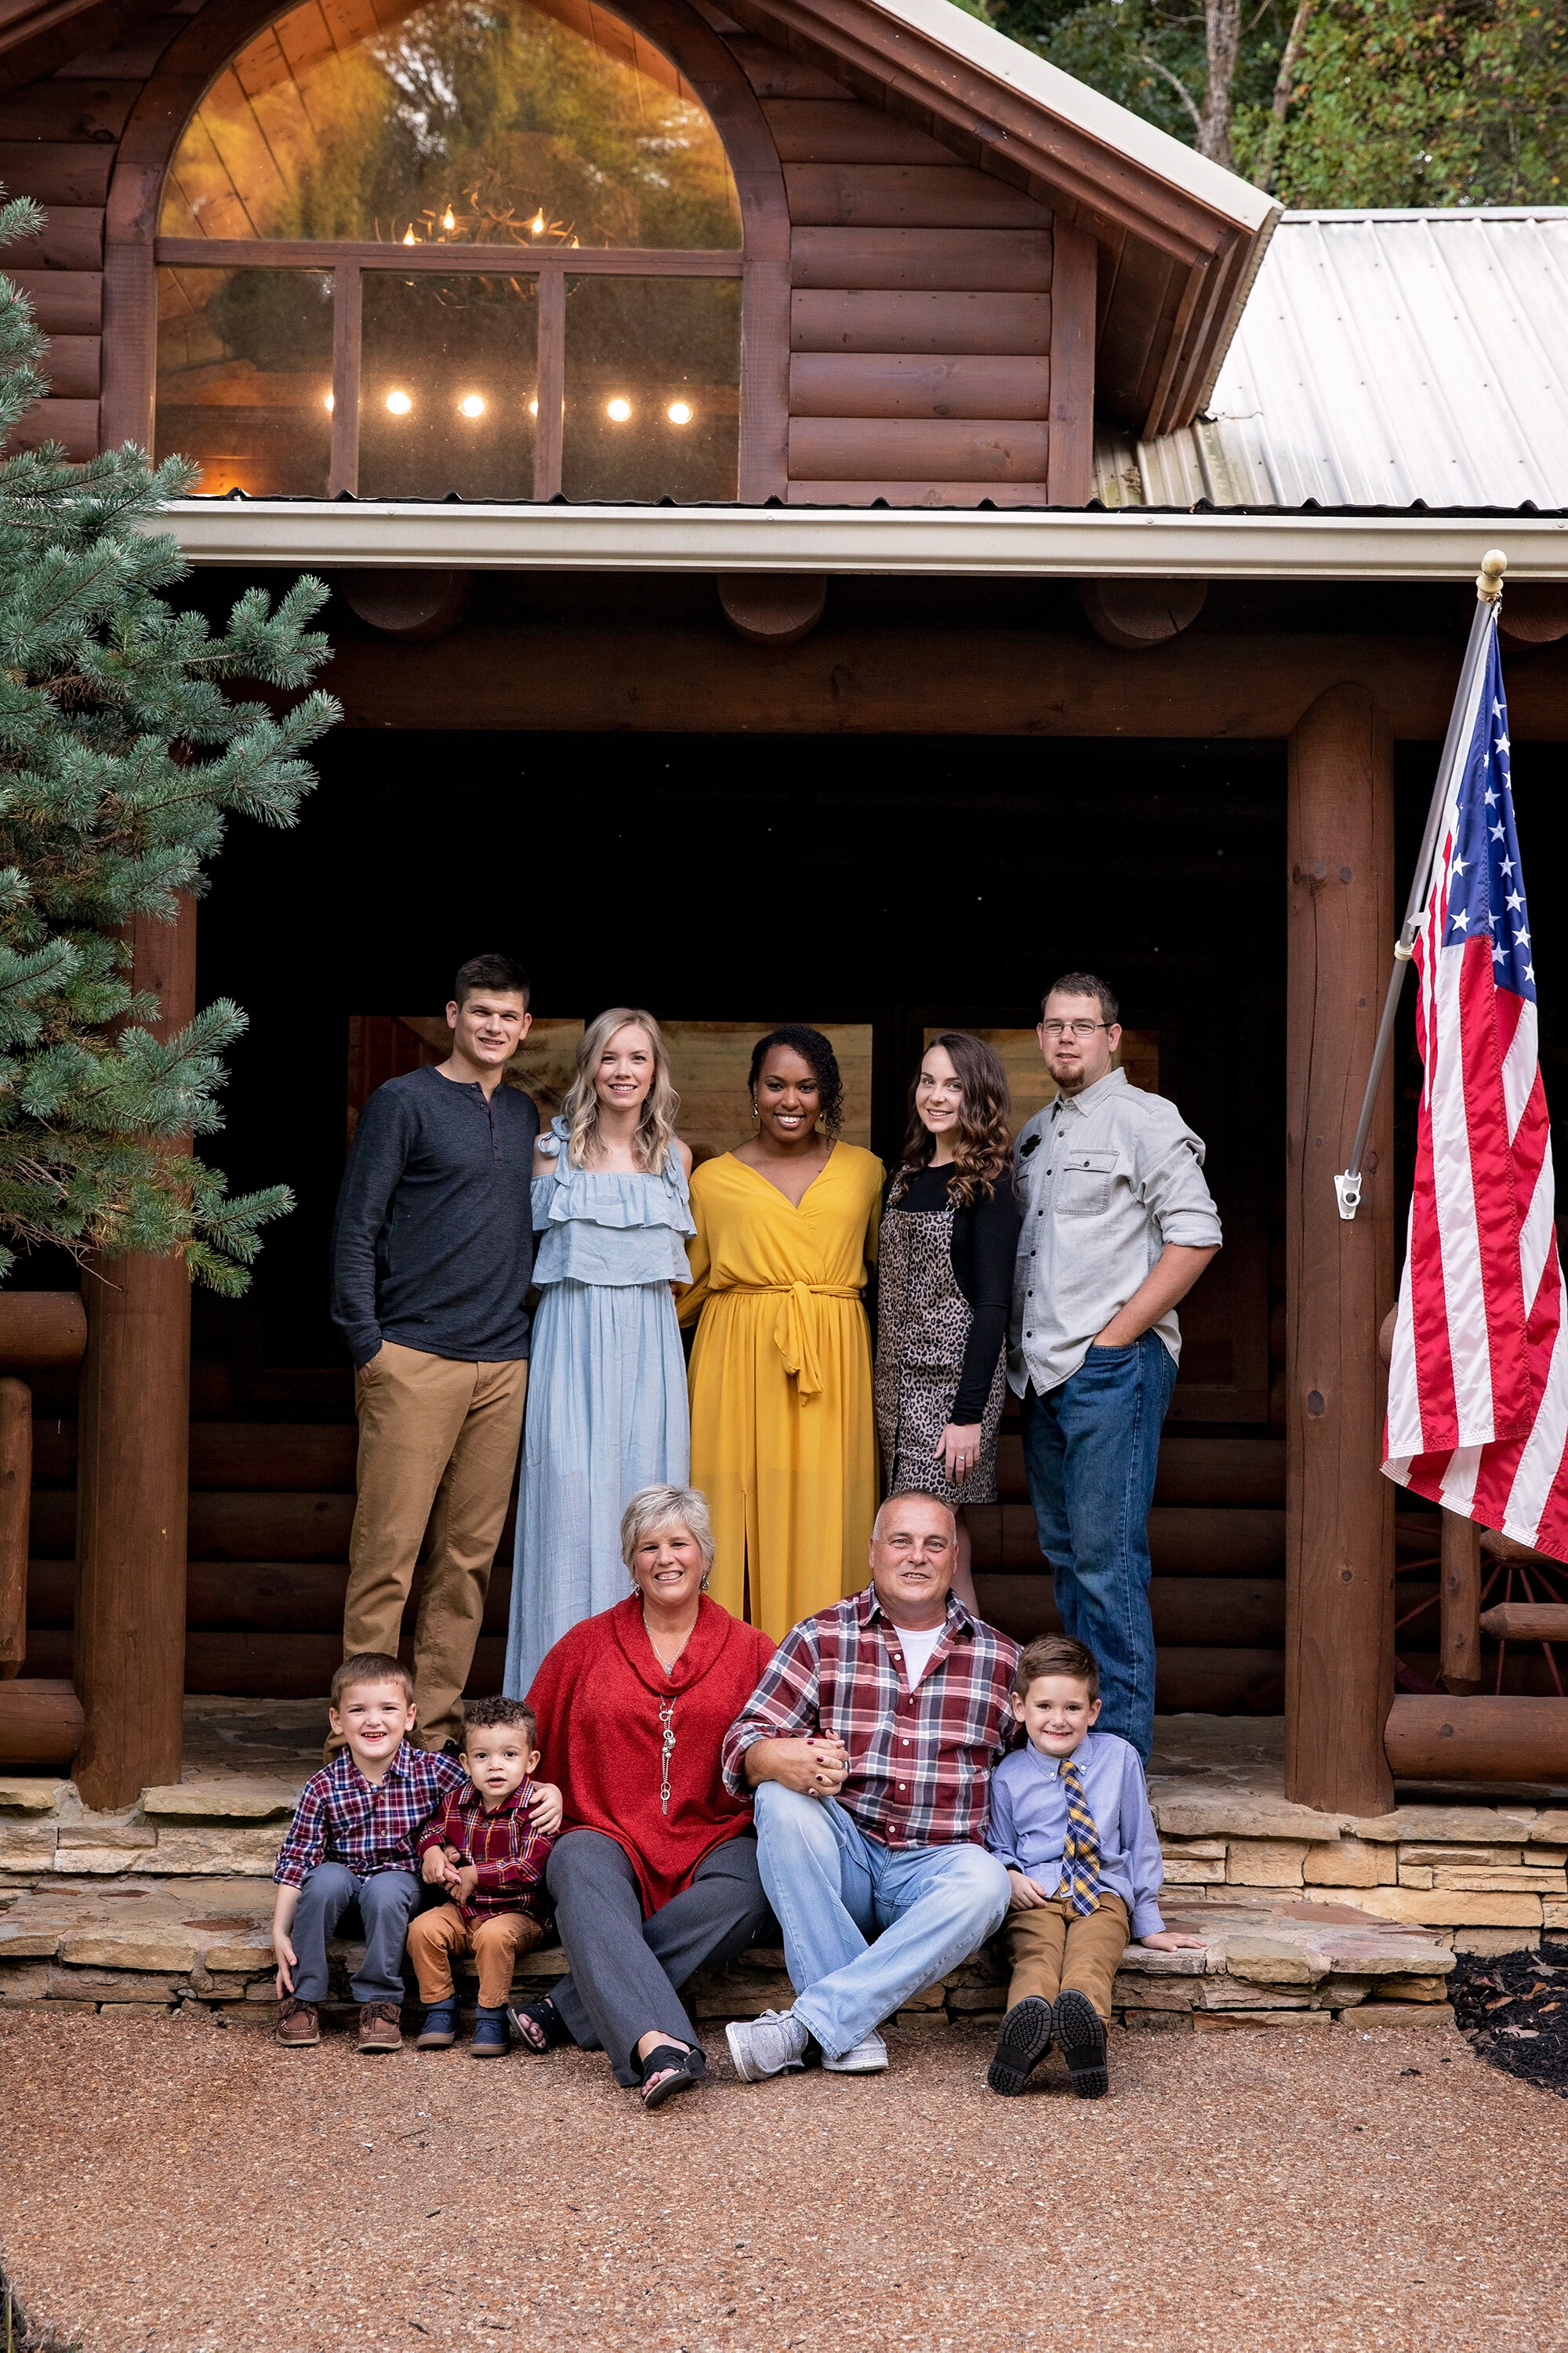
1382	358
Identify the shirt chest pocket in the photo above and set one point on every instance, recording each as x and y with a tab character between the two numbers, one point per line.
1083	1183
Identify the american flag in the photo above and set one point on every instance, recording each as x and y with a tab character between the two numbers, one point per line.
1477	1383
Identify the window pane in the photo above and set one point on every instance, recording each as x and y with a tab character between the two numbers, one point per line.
449	121
653	389
446	383
244	377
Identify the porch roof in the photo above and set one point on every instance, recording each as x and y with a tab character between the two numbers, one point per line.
1381	357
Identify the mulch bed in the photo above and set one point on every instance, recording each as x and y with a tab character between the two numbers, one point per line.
1514	2010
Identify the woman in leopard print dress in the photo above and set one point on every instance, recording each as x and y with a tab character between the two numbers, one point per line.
944	1285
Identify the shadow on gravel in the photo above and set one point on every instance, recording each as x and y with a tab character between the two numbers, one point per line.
1514	2011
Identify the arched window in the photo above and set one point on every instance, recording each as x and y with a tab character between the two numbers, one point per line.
486	246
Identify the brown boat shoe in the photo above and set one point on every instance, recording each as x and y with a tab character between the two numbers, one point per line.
381	2026
297	2024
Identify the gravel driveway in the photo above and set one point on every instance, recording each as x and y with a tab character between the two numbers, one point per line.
172	2186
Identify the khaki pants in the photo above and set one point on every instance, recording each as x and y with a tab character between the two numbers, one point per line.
495	1939
1053	1947
438	1447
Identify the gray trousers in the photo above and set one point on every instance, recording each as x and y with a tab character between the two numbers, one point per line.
385	1902
627	1971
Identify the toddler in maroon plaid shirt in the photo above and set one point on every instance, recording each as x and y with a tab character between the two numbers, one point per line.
482	1848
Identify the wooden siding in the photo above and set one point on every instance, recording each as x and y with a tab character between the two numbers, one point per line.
921	316
58	142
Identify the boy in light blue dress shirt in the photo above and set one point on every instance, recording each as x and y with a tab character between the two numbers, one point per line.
1070	1821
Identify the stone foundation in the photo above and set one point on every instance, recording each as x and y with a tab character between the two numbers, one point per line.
1308	1918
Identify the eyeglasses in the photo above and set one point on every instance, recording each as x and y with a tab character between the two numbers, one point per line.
1075	1028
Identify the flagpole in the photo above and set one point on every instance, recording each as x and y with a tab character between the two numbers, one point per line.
1455	746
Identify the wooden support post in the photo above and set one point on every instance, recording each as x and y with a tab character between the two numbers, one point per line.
132	1449
1459	1604
16	1498
1339	1561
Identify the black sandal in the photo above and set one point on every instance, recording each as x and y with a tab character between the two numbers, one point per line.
538	2025
678	2068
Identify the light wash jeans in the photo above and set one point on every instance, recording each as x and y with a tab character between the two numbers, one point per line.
1091	1447
833	1891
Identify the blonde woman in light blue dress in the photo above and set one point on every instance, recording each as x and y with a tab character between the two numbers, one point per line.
607	1392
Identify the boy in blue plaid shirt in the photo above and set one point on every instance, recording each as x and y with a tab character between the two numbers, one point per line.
353	1843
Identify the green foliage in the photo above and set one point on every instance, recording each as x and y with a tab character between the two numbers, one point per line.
1404	103
122	760
1392	102
1149	55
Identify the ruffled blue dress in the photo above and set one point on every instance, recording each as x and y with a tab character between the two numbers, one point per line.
606	1390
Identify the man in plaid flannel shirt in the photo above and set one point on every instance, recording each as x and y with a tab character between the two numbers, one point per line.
869	1744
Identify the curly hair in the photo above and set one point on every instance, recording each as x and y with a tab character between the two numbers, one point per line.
982	1149
813	1048
580	1108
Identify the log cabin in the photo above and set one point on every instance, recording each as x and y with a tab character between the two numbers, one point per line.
828	518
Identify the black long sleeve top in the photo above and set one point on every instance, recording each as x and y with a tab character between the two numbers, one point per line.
433	1242
984	1249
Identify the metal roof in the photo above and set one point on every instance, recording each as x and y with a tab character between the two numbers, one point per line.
1384	359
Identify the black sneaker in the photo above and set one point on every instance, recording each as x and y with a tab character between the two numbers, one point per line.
1082	2038
1022	2042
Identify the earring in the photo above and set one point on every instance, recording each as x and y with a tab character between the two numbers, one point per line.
753	1107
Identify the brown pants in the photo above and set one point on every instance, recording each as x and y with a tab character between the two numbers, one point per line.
438	1447
495	1939
1053	1945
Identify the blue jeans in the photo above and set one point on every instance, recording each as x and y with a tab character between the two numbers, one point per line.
1091	1447
833	1891
385	1902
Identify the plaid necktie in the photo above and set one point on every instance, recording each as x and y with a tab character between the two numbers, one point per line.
1081	1848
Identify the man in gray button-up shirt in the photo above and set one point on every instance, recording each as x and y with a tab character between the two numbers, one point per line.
1118	1226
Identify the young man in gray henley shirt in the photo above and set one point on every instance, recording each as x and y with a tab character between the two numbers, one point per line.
432	1253
1118	1226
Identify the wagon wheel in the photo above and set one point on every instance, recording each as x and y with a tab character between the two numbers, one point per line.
1523	1575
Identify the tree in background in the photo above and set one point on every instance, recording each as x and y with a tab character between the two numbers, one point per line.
1332	102
121	761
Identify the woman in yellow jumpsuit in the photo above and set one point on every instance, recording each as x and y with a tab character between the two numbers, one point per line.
784	1435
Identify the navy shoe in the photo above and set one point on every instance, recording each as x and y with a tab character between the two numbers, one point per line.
492	2036
439	2030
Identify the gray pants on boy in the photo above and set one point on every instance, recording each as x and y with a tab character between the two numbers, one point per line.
385	1902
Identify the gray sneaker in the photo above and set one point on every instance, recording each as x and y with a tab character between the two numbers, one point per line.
769	2045
869	2057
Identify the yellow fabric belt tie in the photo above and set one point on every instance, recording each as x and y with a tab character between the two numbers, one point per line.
795	1329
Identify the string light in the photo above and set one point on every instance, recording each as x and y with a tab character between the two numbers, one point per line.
470	405
329	404
536	226
399	403
449	218
617	410
409	238
678	412
533	408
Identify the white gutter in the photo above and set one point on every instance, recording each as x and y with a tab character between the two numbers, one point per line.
1127	541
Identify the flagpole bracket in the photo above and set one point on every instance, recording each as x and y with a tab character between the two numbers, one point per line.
1347	1192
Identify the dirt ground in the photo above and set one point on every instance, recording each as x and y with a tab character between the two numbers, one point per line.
172	2186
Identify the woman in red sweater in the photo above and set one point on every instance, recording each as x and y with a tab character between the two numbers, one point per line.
655	1873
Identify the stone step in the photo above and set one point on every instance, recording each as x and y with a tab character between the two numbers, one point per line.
160	1942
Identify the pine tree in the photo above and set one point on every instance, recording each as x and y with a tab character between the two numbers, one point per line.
122	760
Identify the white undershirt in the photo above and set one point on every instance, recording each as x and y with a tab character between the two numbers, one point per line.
918	1648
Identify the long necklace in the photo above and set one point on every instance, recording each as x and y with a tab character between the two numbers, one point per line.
667	1728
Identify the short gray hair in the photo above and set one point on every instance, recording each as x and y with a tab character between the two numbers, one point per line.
913	1495
652	1509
